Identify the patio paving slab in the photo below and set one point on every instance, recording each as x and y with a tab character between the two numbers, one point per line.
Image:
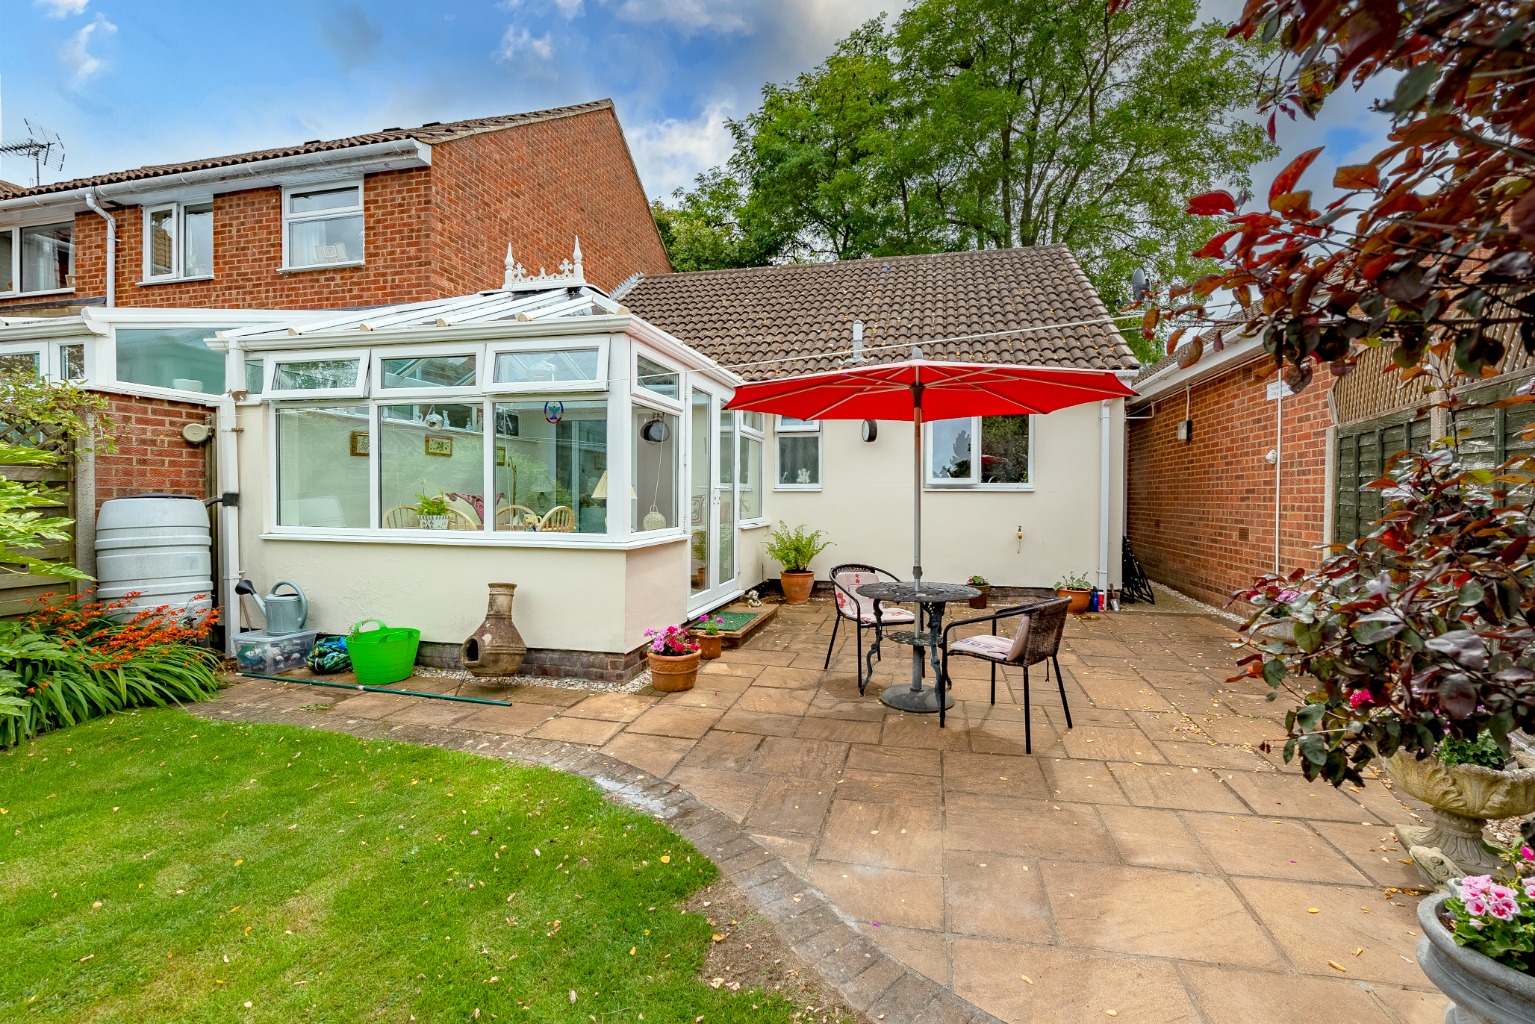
1153	860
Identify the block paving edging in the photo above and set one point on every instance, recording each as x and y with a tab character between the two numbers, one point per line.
869	979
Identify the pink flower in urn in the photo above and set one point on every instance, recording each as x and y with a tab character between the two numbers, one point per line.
1476	906
1503	910
1529	888
1475	885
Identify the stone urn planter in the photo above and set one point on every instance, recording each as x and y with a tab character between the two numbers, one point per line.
495	648
709	647
797	586
1481	990
1463	797
673	673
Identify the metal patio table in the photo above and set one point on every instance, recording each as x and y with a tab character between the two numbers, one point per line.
930	599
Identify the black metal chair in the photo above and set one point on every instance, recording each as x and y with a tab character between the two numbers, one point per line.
845	581
1037	639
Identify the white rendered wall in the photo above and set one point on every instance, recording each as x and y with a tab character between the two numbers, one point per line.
865	506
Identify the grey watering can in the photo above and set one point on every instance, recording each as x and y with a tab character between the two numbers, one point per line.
284	613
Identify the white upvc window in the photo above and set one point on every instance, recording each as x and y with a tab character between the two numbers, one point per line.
178	241
981	452
657	377
546	366
799	455
55	360
404	372
37	258
342	373
322	225
751	486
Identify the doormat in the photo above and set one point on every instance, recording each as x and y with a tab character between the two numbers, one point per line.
733	620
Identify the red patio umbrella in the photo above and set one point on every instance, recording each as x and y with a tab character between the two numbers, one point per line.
920	389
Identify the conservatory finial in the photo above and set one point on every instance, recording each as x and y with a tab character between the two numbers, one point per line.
514	270
576	258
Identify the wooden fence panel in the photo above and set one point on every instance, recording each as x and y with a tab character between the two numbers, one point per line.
16	588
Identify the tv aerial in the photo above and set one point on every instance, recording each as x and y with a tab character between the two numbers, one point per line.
44	147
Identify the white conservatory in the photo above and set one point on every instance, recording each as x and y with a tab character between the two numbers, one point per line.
575	450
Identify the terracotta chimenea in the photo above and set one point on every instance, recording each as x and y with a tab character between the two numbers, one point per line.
495	648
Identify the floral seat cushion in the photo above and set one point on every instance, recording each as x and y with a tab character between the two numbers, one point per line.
852	605
995	648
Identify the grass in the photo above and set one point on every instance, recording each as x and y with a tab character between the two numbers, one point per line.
159	867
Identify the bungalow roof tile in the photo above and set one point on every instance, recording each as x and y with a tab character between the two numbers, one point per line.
770	321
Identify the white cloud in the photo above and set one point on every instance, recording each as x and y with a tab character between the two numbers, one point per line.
519	41
62	8
77	56
670	153
567	8
690	15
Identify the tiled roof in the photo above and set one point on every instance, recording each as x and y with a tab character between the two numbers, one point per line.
766	322
7	189
1229	328
431	134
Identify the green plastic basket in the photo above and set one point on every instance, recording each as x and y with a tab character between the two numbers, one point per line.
384	655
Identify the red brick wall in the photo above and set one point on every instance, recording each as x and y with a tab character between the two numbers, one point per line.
1202	512
537	188
151	454
428	233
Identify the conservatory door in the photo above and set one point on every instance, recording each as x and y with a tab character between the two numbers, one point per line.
712	502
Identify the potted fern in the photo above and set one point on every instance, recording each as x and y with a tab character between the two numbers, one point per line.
794	550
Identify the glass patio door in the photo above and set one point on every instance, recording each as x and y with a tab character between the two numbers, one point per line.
712	502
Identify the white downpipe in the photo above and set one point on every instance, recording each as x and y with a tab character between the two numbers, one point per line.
1105	492
90	201
229	483
1278	462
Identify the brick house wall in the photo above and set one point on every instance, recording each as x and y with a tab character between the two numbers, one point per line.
537	188
1201	513
151	454
430	232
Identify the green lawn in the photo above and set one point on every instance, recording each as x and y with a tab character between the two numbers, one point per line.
158	867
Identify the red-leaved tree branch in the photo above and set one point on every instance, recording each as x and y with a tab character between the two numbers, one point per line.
1431	247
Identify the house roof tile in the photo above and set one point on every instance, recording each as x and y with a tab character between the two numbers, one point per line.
431	134
766	322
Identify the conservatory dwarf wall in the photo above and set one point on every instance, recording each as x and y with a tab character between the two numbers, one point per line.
398	470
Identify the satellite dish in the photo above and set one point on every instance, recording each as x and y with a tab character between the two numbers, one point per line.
1138	289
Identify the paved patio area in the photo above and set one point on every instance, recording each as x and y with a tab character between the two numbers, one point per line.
1151	864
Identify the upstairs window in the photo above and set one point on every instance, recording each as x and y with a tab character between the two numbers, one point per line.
178	241
37	259
322	226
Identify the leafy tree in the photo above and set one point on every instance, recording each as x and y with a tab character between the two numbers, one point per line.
1432	248
703	231
996	123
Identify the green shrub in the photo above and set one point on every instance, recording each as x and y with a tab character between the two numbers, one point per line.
795	549
72	660
1483	751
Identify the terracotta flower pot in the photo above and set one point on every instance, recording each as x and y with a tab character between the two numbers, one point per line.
797	586
1483	990
673	673
709	647
980	601
1080	599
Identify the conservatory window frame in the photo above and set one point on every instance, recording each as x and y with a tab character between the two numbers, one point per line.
495	349
271	393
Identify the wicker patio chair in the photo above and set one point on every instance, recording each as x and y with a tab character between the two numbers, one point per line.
1036	639
845	581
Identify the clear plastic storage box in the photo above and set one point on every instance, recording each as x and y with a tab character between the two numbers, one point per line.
260	651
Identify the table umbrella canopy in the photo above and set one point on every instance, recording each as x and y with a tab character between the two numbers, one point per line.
921	389
945	390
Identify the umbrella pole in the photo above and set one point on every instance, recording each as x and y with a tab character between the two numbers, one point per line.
916	546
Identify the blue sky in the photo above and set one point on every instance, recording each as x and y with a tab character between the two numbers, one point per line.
129	82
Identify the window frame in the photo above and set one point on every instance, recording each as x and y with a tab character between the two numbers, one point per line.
289	219
745	435
973	482
269	374
785	426
178	272
491	386
673	403
15	231
476	387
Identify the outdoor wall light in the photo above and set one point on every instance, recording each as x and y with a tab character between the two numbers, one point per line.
655	431
870	430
